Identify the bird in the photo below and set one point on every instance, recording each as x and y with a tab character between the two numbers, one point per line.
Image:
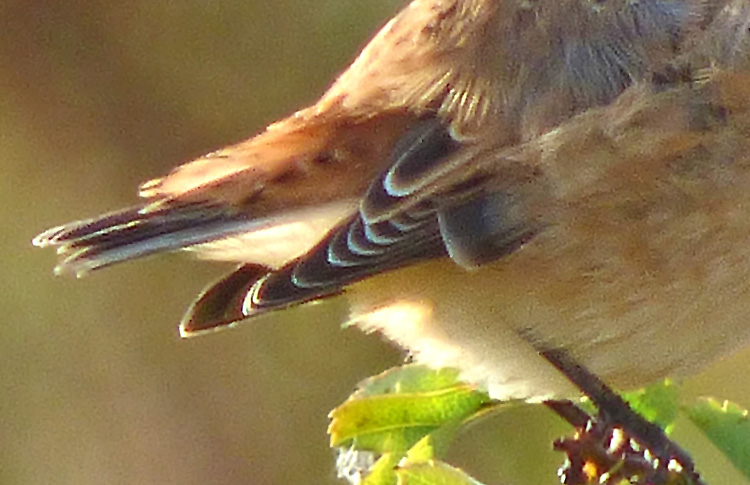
487	179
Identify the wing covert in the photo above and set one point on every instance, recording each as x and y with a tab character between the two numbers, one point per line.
405	217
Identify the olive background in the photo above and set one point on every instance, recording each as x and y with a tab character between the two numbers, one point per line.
96	385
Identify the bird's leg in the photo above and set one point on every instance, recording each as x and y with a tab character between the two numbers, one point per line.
618	440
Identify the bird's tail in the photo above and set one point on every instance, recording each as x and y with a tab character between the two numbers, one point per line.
304	173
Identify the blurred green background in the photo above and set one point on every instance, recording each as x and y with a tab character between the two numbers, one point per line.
97	387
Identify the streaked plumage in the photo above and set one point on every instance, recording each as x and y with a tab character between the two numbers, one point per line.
488	172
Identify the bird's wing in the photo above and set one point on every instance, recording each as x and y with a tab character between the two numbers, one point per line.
419	208
415	209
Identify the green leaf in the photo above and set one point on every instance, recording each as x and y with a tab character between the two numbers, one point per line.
409	416
395	422
433	473
408	379
727	426
383	471
658	403
434	445
391	412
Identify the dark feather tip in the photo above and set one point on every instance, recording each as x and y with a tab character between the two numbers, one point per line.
220	304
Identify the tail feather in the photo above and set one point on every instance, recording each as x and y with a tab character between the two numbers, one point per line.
80	230
124	235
